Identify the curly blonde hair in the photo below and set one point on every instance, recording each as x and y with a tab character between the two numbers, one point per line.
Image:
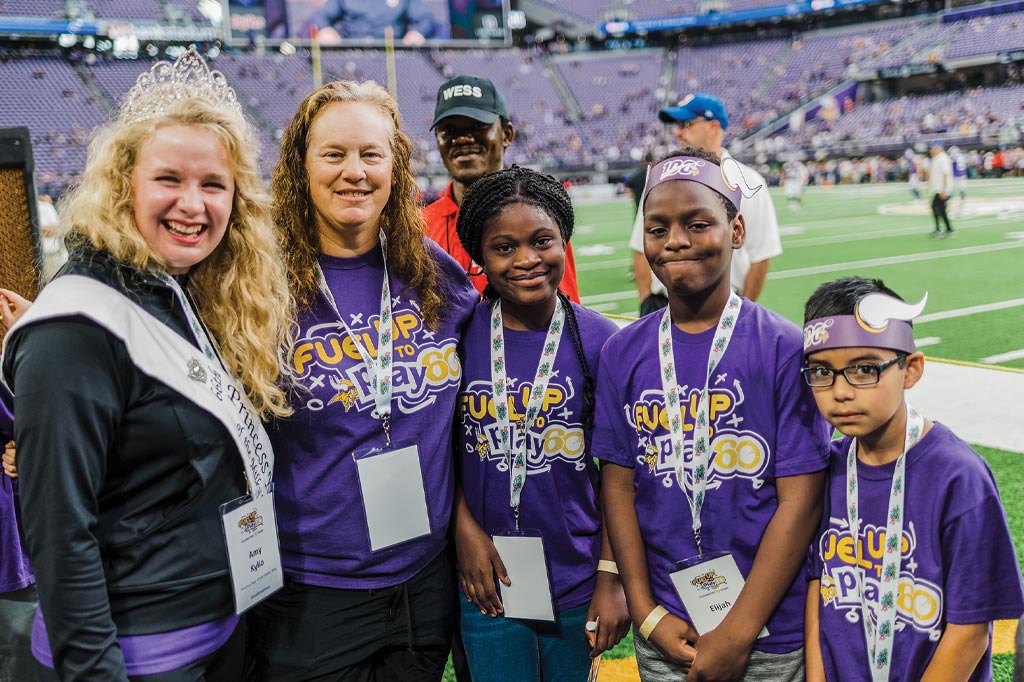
408	256
241	289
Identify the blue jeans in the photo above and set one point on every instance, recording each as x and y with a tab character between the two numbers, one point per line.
507	650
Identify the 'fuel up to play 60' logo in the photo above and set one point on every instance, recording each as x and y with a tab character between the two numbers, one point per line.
848	564
736	452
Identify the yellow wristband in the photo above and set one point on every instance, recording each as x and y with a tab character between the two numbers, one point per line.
652	620
608	566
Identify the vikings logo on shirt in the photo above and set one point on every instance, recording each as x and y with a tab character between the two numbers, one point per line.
554	435
918	601
327	362
735	452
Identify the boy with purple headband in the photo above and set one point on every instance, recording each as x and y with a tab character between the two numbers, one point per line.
914	559
714	454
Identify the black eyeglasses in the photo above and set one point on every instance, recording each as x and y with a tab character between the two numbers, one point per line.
856	375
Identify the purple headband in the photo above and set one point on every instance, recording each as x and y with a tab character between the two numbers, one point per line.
879	321
727	179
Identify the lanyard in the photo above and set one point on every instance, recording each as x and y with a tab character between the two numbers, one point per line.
502	407
880	640
379	368
700	462
199	331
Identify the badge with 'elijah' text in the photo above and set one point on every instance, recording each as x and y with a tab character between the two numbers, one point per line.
709	589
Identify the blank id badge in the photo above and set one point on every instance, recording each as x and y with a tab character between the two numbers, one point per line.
394	499
529	595
709	587
254	555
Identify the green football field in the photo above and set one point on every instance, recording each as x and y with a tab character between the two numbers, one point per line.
975	281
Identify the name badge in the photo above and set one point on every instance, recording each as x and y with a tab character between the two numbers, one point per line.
394	501
529	595
254	555
709	589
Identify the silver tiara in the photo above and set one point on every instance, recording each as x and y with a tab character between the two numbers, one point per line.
158	89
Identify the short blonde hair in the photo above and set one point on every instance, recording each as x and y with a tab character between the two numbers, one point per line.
241	288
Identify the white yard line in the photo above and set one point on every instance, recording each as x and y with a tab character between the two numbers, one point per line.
972	310
605	298
1003	357
892	260
608	264
863	236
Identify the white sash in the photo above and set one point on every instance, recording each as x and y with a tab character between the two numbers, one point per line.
162	354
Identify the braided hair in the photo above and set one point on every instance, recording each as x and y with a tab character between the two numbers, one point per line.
489	196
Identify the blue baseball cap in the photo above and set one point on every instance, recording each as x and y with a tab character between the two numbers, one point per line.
696	105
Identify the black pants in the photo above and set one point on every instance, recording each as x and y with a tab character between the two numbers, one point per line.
223	665
939	211
17	611
653	303
403	633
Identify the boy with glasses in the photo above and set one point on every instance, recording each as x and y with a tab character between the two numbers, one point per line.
914	559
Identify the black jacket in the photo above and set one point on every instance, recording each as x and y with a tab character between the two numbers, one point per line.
121	483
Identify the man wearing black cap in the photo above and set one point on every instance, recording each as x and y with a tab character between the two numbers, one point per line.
473	129
700	121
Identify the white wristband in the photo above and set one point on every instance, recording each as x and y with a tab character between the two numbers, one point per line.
608	566
652	620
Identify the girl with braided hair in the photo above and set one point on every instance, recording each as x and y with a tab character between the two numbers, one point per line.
526	411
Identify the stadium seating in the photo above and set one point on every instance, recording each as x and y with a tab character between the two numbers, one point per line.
575	111
33	8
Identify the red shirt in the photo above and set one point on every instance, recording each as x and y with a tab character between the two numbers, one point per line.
441	217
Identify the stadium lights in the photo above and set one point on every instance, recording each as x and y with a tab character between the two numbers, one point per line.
516	19
212	10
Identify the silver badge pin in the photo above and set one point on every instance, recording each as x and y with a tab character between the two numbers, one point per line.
196	371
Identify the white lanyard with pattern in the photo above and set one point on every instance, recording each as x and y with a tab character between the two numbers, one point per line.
502	407
880	639
199	330
701	459
379	369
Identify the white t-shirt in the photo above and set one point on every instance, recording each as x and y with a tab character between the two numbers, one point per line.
940	176
762	240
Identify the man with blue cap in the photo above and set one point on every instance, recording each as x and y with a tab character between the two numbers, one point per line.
700	121
940	186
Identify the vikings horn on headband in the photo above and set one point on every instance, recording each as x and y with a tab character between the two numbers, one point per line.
879	321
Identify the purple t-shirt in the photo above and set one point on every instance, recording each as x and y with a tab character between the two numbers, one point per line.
560	496
764	425
958	560
322	525
15	573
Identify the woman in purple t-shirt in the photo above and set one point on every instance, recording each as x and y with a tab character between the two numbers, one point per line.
526	478
363	476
